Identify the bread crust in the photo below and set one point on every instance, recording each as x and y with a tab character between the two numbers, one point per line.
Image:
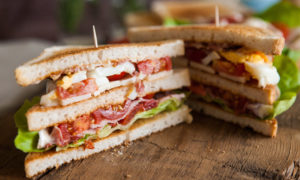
242	35
139	129
265	127
57	60
39	117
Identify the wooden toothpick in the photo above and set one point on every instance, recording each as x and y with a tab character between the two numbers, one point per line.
95	37
217	18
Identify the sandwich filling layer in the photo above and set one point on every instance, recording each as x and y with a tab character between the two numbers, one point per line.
231	102
103	121
85	84
234	63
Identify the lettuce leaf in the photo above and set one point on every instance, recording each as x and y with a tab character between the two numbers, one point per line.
26	141
292	54
284	12
288	85
174	22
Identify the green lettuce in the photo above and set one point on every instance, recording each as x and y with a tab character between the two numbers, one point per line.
174	22
27	141
292	54
284	12
288	85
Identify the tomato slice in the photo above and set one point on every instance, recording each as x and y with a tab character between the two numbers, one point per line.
283	28
81	124
116	76
83	87
198	89
166	63
149	96
146	67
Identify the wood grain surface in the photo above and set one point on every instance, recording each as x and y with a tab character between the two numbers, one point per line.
206	149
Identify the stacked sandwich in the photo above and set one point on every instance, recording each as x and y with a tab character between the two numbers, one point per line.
232	71
97	98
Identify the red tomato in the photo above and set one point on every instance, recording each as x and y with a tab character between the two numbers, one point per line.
166	63
198	89
81	124
149	96
116	76
146	67
89	144
283	28
83	87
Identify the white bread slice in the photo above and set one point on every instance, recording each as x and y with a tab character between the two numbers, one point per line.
36	163
39	117
265	127
267	95
57	60
246	36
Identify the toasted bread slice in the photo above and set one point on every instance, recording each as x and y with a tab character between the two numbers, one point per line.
250	37
265	127
267	95
57	60
39	117
36	163
196	11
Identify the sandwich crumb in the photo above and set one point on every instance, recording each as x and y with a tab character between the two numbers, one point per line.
128	176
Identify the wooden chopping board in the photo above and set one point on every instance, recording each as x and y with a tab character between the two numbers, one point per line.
206	149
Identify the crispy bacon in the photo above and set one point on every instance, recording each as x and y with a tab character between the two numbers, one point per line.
231	69
67	133
111	113
131	114
83	87
61	134
235	102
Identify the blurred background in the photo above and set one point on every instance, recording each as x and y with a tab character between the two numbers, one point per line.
28	27
70	21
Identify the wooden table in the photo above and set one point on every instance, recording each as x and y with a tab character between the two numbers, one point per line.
206	149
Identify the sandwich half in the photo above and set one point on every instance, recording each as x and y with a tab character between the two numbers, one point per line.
116	94
232	71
